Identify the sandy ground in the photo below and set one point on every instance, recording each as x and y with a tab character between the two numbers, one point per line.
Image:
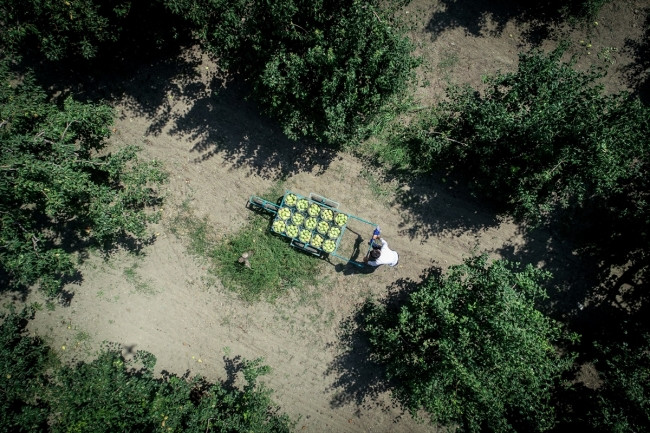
219	151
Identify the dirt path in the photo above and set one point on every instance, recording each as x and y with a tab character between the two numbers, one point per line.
219	151
165	301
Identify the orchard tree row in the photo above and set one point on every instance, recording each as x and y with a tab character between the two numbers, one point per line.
544	143
113	393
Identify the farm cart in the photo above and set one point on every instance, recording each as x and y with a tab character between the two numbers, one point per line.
315	225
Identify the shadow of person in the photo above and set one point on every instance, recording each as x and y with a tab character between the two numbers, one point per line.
354	268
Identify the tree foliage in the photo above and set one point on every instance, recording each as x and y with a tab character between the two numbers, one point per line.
549	145
60	28
58	189
471	349
542	138
24	362
87	32
622	403
112	393
323	69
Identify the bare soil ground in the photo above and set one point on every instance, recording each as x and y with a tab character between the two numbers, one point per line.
219	151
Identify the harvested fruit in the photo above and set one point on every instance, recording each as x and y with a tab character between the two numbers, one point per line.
327	214
323	227
292	231
329	245
334	232
311	223
340	219
278	226
284	213
290	199
305	236
313	210
317	240
302	205
297	218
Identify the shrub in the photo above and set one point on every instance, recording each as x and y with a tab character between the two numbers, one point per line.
323	69
111	393
471	349
58	190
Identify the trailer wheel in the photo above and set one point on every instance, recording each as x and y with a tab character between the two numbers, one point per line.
330	203
271	207
322	200
311	250
317	198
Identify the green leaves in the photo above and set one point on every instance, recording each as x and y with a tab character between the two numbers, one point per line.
112	393
323	69
543	138
56	185
622	403
471	349
60	28
23	362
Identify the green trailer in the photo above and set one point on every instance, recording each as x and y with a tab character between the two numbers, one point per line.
315	224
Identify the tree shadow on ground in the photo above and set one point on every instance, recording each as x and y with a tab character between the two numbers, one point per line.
445	209
358	379
213	113
637	72
489	18
228	125
599	273
437	208
581	271
185	95
572	275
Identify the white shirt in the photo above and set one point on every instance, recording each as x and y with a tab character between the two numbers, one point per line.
387	257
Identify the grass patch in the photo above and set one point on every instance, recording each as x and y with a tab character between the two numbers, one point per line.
197	231
275	267
139	284
379	189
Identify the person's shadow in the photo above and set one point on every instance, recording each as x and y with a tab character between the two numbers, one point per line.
355	266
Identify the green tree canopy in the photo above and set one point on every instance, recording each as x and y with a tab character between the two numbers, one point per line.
324	69
111	393
622	402
471	349
58	29
542	138
58	188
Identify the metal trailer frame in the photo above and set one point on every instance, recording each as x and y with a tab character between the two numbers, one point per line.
260	203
